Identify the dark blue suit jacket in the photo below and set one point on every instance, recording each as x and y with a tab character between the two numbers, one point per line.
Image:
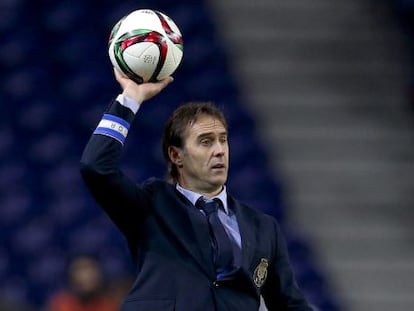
171	248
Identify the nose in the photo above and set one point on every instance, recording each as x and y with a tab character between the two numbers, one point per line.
219	148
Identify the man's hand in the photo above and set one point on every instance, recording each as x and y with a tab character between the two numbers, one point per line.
140	92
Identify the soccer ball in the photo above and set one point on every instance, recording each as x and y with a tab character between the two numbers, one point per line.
146	46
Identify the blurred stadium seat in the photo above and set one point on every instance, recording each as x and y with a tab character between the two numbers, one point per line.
57	80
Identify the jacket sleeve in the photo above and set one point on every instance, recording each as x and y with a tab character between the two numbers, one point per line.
119	196
280	291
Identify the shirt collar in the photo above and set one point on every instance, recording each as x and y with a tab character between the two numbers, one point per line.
194	196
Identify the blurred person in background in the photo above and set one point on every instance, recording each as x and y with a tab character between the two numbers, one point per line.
195	246
86	288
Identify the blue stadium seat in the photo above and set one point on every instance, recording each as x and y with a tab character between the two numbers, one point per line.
15	209
66	17
37	116
18	49
15	288
52	147
9	14
57	80
67	211
26	83
47	267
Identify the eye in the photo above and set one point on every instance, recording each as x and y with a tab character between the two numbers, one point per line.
223	139
205	142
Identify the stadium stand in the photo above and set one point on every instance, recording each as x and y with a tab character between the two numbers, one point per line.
56	81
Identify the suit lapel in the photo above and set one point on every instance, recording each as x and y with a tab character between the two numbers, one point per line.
247	228
187	227
202	235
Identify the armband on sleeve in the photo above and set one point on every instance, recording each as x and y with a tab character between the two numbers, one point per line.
116	121
114	127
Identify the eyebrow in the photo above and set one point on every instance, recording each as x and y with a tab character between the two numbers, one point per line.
209	134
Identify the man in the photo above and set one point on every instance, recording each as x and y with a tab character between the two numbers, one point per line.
86	288
188	257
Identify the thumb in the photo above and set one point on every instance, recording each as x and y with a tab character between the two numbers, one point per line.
166	81
162	84
152	89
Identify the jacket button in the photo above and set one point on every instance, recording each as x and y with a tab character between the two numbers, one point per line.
216	284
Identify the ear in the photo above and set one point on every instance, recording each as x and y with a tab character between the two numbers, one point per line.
175	155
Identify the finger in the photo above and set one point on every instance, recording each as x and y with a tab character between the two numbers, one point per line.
164	82
118	76
116	72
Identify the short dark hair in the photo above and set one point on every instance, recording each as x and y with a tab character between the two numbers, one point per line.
184	116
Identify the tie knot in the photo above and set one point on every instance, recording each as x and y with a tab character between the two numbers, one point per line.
208	207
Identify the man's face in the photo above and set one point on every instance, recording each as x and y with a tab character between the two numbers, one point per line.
204	157
85	276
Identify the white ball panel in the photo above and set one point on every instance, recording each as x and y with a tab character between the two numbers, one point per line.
142	58
137	49
171	62
140	19
176	53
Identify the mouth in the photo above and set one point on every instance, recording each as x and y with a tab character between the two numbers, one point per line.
218	166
